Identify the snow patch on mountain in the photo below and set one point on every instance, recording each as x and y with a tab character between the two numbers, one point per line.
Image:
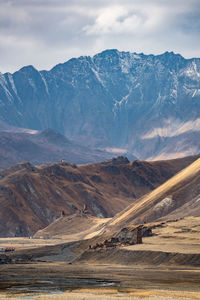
98	76
120	98
5	87
116	150
45	83
10	78
192	71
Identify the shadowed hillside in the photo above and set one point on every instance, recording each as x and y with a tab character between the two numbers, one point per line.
18	145
33	197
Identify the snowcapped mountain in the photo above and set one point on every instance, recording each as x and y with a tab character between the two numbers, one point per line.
142	103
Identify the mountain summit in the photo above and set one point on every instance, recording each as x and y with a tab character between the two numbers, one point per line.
141	103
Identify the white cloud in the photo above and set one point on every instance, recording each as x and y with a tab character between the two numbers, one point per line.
129	19
53	31
114	19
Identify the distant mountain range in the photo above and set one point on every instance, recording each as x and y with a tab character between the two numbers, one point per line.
45	146
146	104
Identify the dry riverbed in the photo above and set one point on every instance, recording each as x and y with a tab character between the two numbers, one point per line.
165	267
59	280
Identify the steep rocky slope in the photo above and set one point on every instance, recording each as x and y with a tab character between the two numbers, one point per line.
32	197
127	100
178	197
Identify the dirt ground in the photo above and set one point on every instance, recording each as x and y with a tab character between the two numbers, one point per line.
125	275
66	281
23	243
182	236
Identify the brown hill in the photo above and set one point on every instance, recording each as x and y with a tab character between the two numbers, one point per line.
43	147
176	198
77	227
33	197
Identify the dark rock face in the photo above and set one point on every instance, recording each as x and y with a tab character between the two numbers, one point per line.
117	161
126	236
4	259
116	97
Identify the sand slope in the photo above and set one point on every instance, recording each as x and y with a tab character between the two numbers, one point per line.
177	197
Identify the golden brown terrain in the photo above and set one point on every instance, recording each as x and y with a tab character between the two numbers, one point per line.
77	227
62	281
176	198
165	266
33	197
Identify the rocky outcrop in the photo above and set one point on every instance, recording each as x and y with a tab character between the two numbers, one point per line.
126	236
5	259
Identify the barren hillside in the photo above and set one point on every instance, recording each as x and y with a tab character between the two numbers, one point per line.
33	197
176	198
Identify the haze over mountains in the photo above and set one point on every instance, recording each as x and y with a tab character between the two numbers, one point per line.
19	145
146	104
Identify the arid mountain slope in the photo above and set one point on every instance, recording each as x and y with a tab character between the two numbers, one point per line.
77	227
33	197
176	198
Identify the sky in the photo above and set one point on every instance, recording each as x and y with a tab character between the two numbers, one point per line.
44	33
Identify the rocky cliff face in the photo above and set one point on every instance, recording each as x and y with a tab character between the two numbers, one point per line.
123	99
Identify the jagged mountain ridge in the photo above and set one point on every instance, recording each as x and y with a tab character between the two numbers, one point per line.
117	97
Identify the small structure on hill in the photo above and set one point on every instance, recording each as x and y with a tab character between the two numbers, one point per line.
7	249
62	213
138	235
126	236
84	210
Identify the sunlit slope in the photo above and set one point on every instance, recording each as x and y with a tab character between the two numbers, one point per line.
177	197
32	197
72	228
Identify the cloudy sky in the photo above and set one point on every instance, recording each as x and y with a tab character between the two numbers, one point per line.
46	32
